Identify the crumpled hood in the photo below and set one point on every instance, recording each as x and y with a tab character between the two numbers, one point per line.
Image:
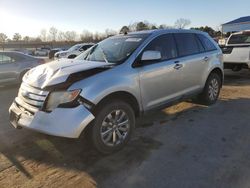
57	72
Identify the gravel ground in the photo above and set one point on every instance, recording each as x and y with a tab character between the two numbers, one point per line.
187	145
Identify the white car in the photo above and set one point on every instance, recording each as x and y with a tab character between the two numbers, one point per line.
74	51
42	51
236	53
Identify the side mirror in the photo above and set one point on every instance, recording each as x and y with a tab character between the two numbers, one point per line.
151	55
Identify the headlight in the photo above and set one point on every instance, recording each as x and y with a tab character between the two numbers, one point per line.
61	97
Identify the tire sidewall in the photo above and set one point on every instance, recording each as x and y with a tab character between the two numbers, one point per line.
205	94
96	125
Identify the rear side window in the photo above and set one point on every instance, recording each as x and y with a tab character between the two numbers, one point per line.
85	47
187	44
239	39
165	44
5	59
208	45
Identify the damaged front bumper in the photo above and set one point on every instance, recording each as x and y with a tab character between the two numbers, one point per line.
63	122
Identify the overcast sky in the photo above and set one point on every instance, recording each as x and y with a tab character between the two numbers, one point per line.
28	17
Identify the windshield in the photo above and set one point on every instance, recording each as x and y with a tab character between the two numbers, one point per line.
75	47
239	39
115	49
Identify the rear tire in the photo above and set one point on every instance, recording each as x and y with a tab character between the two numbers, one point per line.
211	90
112	127
237	68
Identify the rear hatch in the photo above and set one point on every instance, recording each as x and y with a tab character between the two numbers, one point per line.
237	48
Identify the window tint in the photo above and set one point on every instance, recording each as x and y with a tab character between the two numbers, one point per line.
5	59
200	45
208	45
187	44
165	44
85	47
239	39
18	57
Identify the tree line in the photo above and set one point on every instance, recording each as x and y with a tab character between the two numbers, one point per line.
55	35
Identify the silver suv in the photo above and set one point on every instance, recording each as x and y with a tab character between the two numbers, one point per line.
104	89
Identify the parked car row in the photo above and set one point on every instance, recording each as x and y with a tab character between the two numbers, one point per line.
58	53
74	51
102	91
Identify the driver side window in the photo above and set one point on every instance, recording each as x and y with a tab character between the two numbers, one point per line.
165	44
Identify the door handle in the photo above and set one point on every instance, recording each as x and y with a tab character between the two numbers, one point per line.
178	66
206	58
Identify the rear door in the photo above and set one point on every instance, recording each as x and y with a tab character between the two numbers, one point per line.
193	62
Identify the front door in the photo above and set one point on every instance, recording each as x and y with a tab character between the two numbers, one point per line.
160	81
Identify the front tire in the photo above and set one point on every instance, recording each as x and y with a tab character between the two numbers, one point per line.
211	90
112	127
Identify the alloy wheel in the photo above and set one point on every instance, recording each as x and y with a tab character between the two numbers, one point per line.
213	89
115	127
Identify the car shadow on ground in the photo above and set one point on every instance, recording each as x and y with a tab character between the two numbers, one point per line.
79	154
240	78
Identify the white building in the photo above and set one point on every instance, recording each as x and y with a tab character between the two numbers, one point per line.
239	24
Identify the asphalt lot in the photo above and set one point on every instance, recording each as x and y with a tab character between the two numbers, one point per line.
187	145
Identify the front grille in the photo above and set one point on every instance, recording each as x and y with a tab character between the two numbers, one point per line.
30	98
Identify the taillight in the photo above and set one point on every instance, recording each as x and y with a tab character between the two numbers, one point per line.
227	50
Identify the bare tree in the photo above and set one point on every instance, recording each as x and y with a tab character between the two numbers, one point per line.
43	35
99	36
60	36
26	38
17	37
70	36
86	36
37	39
132	26
3	37
110	32
182	23
53	33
